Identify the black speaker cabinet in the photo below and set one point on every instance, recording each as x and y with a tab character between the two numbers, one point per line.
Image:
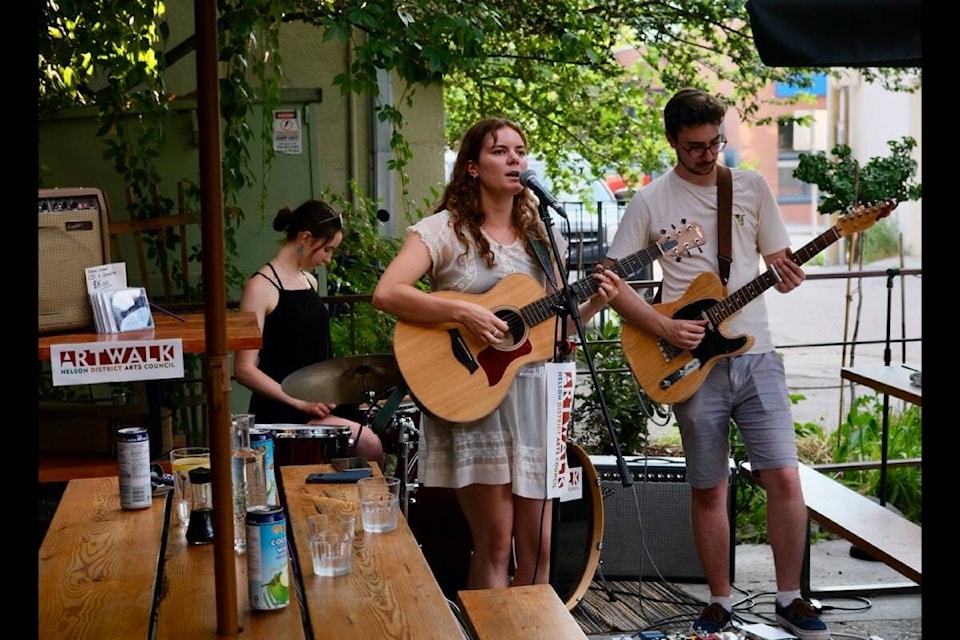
647	530
72	236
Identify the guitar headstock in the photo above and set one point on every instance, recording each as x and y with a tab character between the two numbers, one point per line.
683	240
862	218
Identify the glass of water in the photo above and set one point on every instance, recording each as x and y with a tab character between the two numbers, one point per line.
379	503
331	543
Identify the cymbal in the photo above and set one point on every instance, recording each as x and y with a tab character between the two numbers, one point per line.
349	380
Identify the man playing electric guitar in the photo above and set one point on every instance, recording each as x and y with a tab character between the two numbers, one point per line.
748	388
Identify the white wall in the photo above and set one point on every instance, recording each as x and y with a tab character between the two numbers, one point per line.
875	117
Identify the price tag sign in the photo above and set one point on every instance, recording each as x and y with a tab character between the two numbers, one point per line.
106	276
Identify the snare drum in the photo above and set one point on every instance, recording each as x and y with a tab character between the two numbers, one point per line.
308	443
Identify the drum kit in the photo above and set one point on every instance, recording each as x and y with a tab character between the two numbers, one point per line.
374	383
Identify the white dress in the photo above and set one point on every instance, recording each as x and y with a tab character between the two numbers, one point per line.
508	446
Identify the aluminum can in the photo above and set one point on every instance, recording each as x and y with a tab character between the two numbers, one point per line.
262	440
268	575
133	459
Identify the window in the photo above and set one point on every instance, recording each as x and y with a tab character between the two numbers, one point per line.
792	139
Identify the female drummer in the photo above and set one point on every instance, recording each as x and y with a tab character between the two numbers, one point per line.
295	324
481	231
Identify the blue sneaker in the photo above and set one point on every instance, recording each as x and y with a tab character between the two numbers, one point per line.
802	620
713	619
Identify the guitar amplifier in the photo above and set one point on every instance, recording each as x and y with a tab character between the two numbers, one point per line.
72	235
647	532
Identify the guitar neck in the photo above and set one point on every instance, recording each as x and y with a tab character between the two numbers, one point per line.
548	306
745	294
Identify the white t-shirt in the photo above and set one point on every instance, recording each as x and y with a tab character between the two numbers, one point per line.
757	230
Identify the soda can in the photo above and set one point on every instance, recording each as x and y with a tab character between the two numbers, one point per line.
262	440
133	459
268	575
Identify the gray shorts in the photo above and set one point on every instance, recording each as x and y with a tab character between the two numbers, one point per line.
752	390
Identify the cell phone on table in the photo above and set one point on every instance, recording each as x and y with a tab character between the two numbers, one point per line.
347	475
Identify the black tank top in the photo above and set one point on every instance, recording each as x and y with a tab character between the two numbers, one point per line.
295	334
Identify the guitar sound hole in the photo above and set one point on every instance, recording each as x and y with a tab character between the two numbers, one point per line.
516	334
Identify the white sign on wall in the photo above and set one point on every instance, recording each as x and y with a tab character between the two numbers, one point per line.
116	361
287	131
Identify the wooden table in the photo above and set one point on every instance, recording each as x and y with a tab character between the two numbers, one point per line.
99	565
242	333
390	592
109	573
892	379
889	380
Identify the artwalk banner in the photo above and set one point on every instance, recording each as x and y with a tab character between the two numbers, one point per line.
561	383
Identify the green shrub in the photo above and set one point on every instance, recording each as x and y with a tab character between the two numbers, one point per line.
882	240
626	403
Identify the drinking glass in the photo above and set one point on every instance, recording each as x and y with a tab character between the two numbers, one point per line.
331	543
379	503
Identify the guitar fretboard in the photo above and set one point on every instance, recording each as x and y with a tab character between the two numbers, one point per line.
550	305
857	220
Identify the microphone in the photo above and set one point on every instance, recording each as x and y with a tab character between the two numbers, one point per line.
528	178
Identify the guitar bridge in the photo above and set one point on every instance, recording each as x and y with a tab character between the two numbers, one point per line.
667	350
461	351
680	373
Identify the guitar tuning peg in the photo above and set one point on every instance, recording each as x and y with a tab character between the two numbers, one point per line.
663	231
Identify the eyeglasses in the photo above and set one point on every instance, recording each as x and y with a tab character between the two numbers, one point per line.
697	150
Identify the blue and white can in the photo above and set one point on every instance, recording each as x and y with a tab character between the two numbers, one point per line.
133	460
262	440
268	575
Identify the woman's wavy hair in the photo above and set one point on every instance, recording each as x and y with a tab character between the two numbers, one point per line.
462	195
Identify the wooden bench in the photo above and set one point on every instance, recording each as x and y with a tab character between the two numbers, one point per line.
532	612
880	532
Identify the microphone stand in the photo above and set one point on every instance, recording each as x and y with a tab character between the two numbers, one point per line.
885	428
571	309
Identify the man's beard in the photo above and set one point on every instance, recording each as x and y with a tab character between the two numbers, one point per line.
696	171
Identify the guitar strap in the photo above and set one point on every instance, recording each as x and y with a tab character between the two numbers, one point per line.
724	225
724	221
540	248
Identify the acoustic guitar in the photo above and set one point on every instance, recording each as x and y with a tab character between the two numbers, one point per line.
668	374
457	376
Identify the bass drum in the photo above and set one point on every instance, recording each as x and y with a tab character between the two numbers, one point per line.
444	536
577	534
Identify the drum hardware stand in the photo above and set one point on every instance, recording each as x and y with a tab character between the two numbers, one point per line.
404	463
611	596
367	422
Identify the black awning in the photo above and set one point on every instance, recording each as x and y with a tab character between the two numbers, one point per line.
836	33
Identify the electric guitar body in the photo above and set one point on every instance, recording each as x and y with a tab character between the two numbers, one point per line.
668	374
